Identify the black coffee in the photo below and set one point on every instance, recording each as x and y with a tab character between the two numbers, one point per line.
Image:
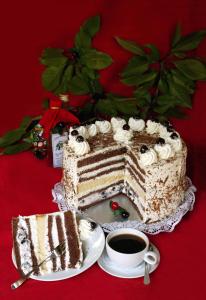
127	243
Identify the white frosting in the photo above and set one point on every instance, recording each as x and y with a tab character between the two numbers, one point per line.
82	130
24	245
85	229
81	148
123	136
148	158
164	151
176	143
136	124
152	127
92	130
103	126
117	123
163	131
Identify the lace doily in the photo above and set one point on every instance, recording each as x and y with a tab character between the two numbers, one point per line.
166	225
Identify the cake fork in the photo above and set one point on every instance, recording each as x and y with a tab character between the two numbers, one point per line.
58	251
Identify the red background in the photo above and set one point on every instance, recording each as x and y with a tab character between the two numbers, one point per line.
25	183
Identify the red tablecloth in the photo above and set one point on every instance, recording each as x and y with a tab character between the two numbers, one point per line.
25	183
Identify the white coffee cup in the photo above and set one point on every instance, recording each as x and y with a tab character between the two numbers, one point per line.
129	260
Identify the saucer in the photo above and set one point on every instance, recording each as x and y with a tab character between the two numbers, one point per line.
111	268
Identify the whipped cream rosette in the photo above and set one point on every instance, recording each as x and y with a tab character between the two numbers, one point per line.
92	130
147	156
163	149
81	146
152	127
103	126
124	134
136	124
117	123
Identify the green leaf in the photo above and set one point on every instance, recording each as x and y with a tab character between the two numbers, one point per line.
11	137
97	60
169	100
177	35
53	57
126	107
96	87
163	85
175	112
141	79
182	80
192	68
64	80
179	54
136	65
17	148
130	46
106	107
179	92
89	73
142	93
25	122
92	25
189	42
181	77
51	78
78	86
161	109
82	39
154	55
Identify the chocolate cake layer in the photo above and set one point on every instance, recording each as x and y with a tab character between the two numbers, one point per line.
102	165
74	246
101	156
51	243
33	255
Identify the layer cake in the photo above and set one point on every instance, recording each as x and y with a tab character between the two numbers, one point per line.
145	161
34	237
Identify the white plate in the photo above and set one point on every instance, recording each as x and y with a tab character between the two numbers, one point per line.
111	268
92	249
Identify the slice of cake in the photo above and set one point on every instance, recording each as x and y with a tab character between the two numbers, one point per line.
145	161
34	237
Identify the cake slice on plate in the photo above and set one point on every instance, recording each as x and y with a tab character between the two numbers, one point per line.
34	237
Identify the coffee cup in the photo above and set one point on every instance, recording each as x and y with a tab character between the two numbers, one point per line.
128	247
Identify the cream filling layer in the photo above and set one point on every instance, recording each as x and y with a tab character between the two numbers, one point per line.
24	248
107	168
100	183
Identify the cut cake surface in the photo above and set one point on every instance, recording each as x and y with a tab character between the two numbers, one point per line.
34	237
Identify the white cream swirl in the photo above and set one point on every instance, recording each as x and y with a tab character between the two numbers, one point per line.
81	148
176	143
103	126
164	151
92	130
163	131
123	136
152	127
148	158
136	124
83	131
117	123
85	229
